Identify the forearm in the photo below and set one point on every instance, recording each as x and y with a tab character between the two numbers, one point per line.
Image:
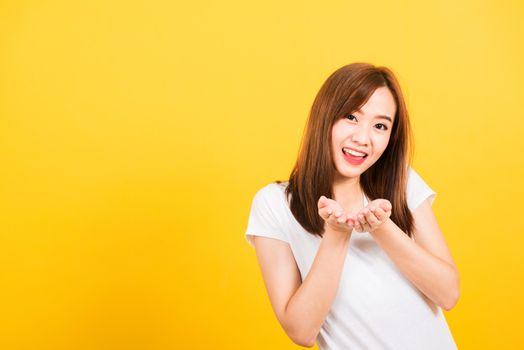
309	306
434	277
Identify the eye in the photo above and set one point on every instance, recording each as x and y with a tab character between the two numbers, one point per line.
350	116
385	127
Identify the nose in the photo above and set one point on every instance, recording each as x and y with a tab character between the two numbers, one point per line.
360	135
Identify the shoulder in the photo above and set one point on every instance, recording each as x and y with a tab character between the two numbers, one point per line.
417	190
272	192
412	174
415	181
271	199
269	213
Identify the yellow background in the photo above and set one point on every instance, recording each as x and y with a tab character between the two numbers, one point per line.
134	134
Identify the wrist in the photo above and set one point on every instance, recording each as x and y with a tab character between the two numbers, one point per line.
336	234
385	227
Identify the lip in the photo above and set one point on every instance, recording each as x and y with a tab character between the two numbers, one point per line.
352	160
356	150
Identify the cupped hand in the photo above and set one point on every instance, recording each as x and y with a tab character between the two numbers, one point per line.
335	216
373	215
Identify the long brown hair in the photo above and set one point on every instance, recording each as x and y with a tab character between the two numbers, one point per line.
345	91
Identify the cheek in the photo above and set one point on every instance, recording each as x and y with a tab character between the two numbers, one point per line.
336	131
381	144
385	143
336	138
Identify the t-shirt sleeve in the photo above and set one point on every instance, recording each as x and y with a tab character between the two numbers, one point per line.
418	190
266	217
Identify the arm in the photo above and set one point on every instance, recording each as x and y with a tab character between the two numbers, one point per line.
301	308
426	261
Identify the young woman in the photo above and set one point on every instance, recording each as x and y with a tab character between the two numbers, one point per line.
349	248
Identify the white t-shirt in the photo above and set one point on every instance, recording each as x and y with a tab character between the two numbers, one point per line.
376	307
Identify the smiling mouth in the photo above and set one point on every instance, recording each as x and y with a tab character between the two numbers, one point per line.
354	154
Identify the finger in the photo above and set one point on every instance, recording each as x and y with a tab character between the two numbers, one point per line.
325	212
362	221
358	226
387	214
343	223
386	206
330	215
338	215
333	218
342	219
380	214
370	217
349	222
353	219
323	202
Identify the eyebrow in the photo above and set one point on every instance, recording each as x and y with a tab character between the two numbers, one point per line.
379	116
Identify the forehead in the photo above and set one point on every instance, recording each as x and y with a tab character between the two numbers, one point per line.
381	104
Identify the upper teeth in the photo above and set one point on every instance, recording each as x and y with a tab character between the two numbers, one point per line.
355	153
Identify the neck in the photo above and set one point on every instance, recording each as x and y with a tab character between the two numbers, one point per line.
347	190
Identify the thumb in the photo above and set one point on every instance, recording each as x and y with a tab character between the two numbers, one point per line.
386	206
322	202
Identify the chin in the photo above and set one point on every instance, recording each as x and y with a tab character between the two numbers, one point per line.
349	174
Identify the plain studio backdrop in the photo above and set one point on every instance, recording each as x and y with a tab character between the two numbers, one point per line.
134	134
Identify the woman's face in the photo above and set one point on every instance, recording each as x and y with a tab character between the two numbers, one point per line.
367	130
